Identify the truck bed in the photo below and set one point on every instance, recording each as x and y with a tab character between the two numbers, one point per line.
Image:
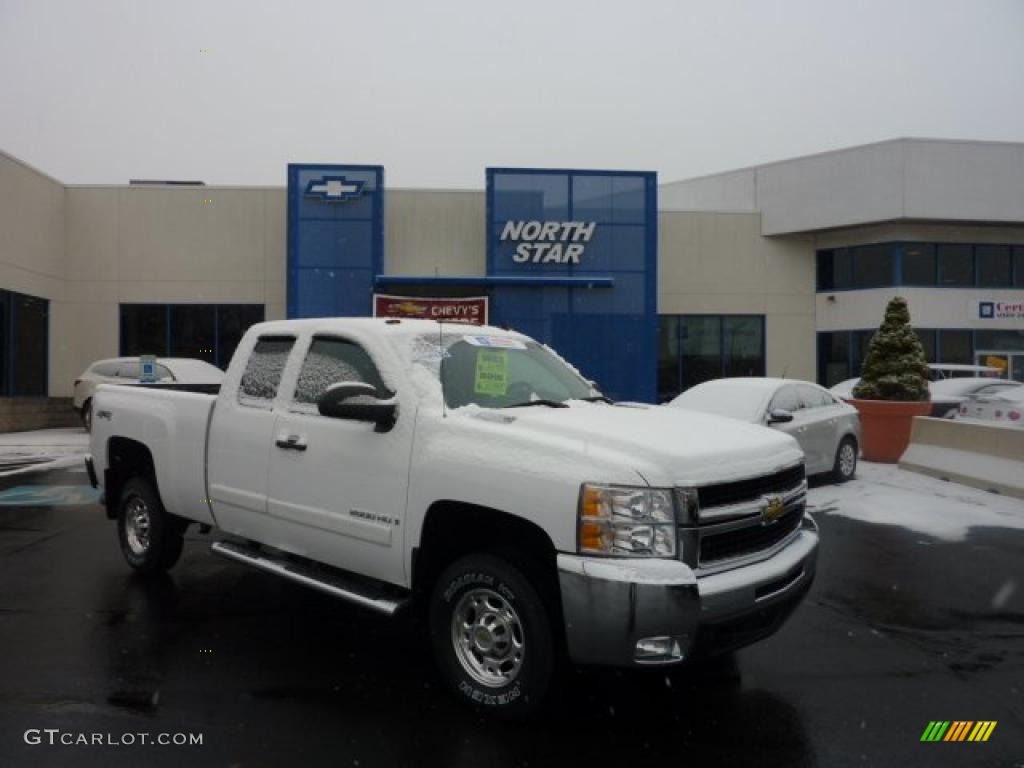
173	425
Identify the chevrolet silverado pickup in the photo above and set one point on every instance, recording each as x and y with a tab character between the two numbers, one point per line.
472	475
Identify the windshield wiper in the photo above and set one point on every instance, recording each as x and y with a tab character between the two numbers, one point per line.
539	401
596	399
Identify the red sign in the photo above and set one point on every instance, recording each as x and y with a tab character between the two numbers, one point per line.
471	310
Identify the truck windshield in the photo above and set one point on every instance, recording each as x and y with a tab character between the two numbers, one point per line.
504	372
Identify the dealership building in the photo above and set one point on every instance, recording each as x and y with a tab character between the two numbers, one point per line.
647	286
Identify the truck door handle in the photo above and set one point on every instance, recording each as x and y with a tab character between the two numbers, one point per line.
290	443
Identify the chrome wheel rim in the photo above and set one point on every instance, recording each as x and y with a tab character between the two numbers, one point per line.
847	460
488	638
137	526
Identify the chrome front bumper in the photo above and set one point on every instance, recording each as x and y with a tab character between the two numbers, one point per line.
610	605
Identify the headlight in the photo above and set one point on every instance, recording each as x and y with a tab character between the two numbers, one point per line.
626	521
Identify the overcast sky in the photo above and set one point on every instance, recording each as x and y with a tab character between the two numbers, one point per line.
100	92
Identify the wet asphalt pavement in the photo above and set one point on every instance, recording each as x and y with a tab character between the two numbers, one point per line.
899	630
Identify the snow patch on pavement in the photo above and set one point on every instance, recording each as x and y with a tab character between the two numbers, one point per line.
887	495
42	450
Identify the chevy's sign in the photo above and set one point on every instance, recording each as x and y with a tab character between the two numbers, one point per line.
548	242
472	311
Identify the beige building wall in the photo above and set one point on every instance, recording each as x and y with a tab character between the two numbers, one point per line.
435	232
31	230
161	245
719	263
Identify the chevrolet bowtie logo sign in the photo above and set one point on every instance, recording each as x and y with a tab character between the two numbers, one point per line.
334	189
772	510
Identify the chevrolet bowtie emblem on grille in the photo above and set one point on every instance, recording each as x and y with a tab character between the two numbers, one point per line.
334	189
772	509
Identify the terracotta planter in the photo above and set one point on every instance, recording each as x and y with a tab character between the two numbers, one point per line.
885	427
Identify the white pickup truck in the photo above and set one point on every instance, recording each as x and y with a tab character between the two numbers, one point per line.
472	473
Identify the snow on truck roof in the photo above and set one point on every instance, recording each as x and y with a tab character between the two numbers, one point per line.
390	326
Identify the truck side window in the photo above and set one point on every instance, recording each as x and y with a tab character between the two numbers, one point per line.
264	368
330	361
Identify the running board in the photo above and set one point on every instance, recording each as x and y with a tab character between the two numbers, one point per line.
310	574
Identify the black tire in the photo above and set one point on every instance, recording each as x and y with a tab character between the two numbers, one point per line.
151	538
506	610
86	414
845	465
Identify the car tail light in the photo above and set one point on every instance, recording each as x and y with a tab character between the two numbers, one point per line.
1013	415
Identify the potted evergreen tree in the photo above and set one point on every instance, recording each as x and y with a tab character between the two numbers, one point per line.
893	386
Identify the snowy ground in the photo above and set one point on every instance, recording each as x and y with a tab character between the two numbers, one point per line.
44	449
887	495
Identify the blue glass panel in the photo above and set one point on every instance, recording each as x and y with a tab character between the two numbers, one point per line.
328	244
333	292
537	196
609	333
335	238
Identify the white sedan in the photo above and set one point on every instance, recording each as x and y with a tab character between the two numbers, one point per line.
127	370
827	429
1005	406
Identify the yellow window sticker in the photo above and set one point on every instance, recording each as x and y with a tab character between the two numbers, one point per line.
492	372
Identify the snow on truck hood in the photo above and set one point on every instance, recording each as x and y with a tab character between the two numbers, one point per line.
666	446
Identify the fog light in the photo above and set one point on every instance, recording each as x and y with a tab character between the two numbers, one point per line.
658	649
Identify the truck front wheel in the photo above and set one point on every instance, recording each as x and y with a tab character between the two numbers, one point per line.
151	538
492	636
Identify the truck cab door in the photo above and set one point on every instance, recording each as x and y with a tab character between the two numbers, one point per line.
240	439
337	487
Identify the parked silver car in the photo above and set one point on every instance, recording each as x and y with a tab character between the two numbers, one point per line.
827	429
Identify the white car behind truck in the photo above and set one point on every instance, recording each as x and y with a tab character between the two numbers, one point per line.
469	473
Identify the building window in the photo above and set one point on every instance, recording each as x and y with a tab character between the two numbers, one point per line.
950	265
835	270
24	344
1000	341
833	358
929	341
207	332
956	265
955	347
193	330
841	353
993	264
919	264
872	266
696	348
669	372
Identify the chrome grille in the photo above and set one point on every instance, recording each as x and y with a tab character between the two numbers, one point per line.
750	488
746	540
750	516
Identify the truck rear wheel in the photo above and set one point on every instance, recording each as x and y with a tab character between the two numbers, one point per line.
491	636
151	538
